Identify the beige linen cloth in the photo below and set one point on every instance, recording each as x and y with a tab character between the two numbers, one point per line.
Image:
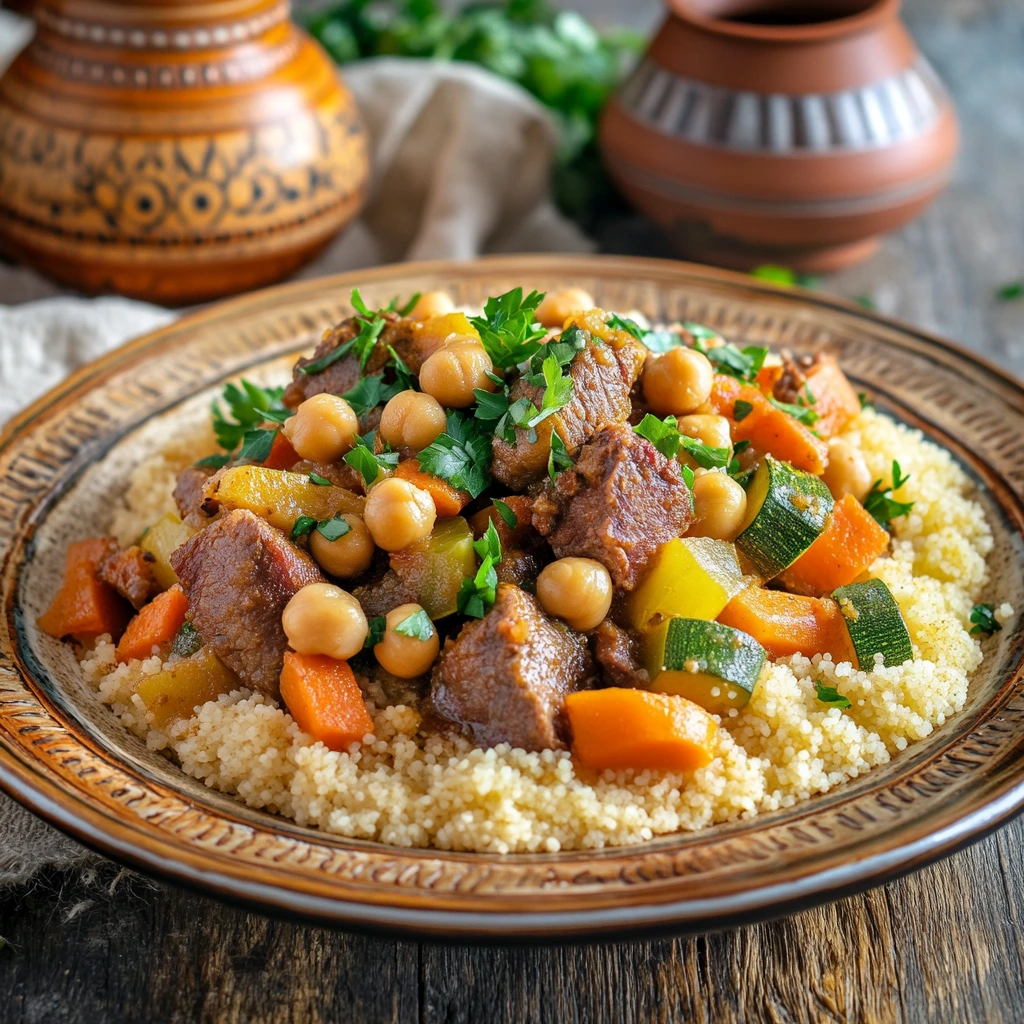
461	167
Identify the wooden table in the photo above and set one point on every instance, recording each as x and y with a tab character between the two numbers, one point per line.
944	945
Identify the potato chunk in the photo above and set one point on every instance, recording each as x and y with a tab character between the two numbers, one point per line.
180	688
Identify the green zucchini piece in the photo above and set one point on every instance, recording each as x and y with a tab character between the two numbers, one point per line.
713	665
875	623
787	510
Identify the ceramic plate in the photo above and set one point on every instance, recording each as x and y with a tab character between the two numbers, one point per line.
63	462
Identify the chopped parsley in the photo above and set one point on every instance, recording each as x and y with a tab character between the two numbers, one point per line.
251	406
461	455
830	695
214	461
558	456
256	444
735	470
879	503
705	455
557	391
477	594
320	481
371	325
507	329
334	528
985	623
744	364
741	410
688	477
404	311
623	323
489	544
302	526
187	641
418	626
865	400
654	340
508	516
405	379
362	459
801	413
377	626
1011	291
661	433
368	393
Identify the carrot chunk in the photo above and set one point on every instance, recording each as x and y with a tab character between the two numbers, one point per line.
835	401
282	454
851	542
621	728
448	500
323	697
155	625
85	607
787	624
766	427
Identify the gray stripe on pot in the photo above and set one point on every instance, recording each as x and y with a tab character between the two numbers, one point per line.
884	113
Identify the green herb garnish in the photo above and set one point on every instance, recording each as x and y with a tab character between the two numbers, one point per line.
320	481
250	405
704	454
213	461
808	417
831	696
334	528
187	641
461	455
368	393
256	444
741	410
688	477
985	622
558	456
1010	292
557	391
418	626
371	324
362	459
743	364
508	516
376	628
507	329
477	594
880	505
663	434
734	470
302	526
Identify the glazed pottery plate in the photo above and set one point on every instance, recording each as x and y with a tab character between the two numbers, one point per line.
63	466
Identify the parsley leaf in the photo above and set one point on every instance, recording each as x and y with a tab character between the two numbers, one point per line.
213	461
302	526
320	481
371	325
187	641
418	626
558	457
704	454
368	393
256	444
801	413
461	455
743	364
1010	291
334	528
830	695
741	410
490	405
880	505
688	477
250	405
623	323
864	399
507	330
557	392
405	379
489	545
654	340
661	433
985	622
404	311
734	469
362	459
375	633
477	594
506	513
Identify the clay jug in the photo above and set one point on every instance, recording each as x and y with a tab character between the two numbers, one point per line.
174	150
781	131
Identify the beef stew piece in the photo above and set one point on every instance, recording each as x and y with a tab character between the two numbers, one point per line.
603	375
618	505
238	574
615	651
130	573
190	488
504	678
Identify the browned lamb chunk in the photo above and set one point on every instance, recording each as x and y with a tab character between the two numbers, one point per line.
504	678
619	504
615	651
238	574
602	376
190	488
130	573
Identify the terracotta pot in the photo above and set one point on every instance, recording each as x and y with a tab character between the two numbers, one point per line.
174	151
781	131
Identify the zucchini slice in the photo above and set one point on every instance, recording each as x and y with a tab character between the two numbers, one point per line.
875	623
713	665
787	510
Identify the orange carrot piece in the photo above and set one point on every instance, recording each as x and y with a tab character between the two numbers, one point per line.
85	607
767	377
835	401
323	697
621	728
767	428
282	454
155	625
787	624
448	500
850	543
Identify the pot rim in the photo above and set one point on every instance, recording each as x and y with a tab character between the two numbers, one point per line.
878	13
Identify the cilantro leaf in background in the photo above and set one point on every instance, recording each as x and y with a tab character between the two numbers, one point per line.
985	623
879	503
461	455
507	329
418	626
830	695
1010	292
623	323
663	434
785	277
213	461
658	341
743	364
404	311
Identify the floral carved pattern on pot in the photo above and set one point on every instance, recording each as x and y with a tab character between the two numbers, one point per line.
200	188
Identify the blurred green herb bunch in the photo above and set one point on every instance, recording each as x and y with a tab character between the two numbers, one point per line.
567	64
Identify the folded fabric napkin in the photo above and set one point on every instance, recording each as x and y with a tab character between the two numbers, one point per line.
461	167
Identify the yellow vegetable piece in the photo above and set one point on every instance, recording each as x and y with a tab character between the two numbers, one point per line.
435	567
160	540
180	688
281	497
692	578
432	333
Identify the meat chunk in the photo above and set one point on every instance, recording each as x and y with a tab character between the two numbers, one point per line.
238	574
344	374
615	651
620	503
190	488
130	573
504	677
602	376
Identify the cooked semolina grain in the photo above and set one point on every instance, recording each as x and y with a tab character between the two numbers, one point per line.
410	789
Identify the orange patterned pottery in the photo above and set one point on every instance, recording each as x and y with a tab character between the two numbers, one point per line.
781	131
174	151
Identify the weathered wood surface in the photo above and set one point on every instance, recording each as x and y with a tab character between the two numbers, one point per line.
943	945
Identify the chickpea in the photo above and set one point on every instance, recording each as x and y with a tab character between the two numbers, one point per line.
556	307
324	619
347	556
846	472
720	504
432	304
677	382
710	430
398	514
405	656
323	428
454	370
412	420
578	590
